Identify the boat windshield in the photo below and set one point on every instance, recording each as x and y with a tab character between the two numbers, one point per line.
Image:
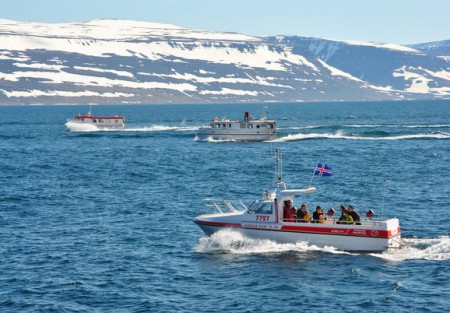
261	207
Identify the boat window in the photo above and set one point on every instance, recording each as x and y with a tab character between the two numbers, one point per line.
224	125
242	125
261	208
257	126
250	126
263	125
228	125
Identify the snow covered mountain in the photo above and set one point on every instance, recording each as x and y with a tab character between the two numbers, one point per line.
117	61
437	48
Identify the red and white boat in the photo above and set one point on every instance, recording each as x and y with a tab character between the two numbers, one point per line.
263	219
81	122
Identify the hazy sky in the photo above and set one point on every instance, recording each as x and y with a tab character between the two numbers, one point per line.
393	21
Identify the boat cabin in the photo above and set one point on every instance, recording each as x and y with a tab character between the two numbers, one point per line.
106	120
258	124
270	208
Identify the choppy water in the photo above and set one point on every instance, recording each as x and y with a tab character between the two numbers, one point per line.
102	220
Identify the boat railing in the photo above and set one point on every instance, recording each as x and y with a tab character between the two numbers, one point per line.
359	223
224	206
332	221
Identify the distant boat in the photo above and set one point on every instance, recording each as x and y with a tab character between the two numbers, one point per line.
246	129
99	122
266	219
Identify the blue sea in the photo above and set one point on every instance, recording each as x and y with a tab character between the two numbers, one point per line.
101	221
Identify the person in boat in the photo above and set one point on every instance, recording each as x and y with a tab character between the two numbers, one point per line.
303	216
289	211
345	218
354	215
318	216
246	116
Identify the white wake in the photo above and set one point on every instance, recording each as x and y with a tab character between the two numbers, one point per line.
232	241
435	249
342	135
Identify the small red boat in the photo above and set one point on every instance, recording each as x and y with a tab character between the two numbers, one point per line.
99	122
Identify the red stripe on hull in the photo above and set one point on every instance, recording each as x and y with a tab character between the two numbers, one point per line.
238	225
357	232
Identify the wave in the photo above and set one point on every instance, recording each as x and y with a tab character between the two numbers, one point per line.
434	249
162	128
210	139
76	127
364	126
234	242
427	126
379	135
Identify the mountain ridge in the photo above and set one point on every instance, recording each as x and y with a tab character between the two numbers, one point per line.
121	61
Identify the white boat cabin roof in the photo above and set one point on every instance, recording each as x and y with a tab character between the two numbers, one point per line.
99	117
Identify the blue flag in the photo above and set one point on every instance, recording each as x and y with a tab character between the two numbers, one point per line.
323	170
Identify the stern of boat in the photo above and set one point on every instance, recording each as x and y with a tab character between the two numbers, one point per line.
393	233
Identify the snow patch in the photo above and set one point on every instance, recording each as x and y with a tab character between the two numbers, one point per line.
419	83
94	69
108	29
52	93
440	74
82	80
227	91
40	66
336	72
389	46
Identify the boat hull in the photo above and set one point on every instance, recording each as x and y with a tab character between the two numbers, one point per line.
238	136
79	125
354	238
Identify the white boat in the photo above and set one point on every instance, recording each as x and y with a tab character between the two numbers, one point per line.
96	122
247	129
264	219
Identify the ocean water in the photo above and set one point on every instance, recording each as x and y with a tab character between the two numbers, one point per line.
101	221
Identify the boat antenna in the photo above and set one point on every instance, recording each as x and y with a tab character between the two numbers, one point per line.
90	111
278	167
384	194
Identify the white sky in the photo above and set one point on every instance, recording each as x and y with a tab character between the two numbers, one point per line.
387	21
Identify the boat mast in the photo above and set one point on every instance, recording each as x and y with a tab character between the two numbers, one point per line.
265	113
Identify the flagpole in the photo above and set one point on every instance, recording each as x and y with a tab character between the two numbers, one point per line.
314	171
